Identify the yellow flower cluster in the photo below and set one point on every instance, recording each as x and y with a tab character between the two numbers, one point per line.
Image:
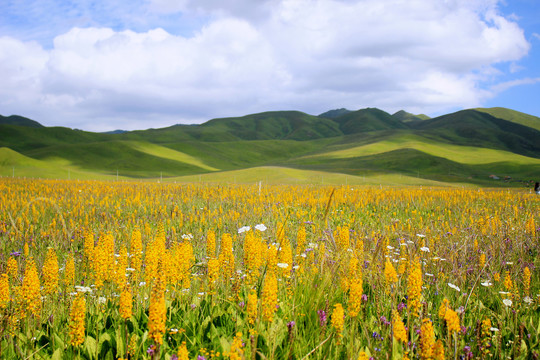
427	339
4	291
236	352
50	272
76	320
157	314
390	273
252	305
526	281
355	296
338	320
69	271
31	296
269	299
400	334
126	304
414	289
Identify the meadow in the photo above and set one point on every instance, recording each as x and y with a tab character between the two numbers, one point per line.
142	270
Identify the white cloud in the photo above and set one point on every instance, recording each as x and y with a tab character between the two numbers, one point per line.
419	55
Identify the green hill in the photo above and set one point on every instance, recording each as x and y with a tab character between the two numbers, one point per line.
513	116
463	147
18	120
367	120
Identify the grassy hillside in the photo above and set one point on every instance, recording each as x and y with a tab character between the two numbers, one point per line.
513	116
18	120
466	146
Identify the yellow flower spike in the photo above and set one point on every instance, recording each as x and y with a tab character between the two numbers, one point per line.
76	320
269	298
31	296
427	339
4	291
400	334
338	320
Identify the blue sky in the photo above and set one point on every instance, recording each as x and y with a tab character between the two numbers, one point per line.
103	65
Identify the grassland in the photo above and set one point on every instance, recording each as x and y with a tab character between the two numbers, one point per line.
464	147
145	270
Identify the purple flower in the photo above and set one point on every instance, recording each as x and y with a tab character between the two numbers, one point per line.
364	297
15	253
241	304
151	350
200	357
174	357
322	317
401	306
193	306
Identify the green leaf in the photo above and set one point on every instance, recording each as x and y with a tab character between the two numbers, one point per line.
90	346
58	354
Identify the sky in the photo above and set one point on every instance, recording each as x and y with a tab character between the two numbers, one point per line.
135	64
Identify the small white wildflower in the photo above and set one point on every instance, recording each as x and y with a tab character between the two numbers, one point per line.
390	247
142	283
117	255
507	302
509	263
201	293
494	329
102	300
421	235
486	283
303	255
455	287
410	242
528	300
261	227
244	229
296	267
428	274
283	265
350	250
504	292
424	249
130	269
313	245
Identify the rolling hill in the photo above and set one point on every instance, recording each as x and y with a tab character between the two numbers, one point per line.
462	147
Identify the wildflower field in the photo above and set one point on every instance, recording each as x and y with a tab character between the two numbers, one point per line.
140	270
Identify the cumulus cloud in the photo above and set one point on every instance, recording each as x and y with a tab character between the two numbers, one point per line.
420	55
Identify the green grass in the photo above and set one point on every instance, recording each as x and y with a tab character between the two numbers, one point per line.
513	116
282	175
461	154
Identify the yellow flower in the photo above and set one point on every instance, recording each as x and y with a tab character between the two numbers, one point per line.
526	281
438	350
452	320
269	298
31	295
444	306
414	289
12	268
427	339
50	272
4	291
400	334
157	314
355	296
183	353
76	320
252	303
390	273
363	356
338	319
236	352
126	304
211	244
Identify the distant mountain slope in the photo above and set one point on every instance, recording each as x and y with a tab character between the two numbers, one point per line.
332	114
475	128
365	120
513	116
406	117
465	146
18	120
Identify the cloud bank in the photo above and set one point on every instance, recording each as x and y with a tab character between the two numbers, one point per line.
419	55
